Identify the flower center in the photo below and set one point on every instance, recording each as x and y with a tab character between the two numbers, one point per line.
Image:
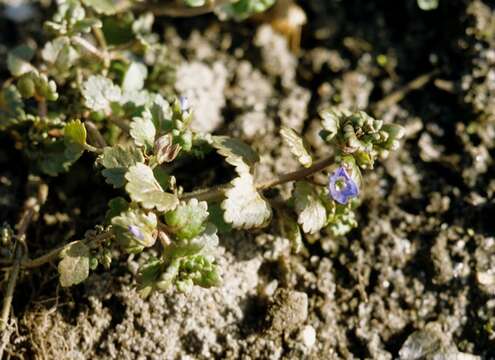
340	184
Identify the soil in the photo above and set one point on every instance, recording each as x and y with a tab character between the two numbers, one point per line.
415	280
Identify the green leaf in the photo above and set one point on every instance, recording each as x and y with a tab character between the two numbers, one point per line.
161	114
145	189
75	139
99	93
18	60
117	160
134	77
290	230
148	275
116	206
135	230
243	9
143	130
105	7
74	266
236	153
216	217
60	54
244	207
11	106
312	215
54	159
204	244
330	123
296	146
428	5
188	219
194	3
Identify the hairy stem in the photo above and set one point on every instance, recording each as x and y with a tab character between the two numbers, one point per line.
218	192
55	253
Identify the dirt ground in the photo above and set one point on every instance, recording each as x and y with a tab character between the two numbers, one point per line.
423	256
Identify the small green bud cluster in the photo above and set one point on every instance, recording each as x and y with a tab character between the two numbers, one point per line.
360	135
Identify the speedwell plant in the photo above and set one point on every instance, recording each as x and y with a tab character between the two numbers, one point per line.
99	86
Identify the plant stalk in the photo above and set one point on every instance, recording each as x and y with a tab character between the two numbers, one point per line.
218	192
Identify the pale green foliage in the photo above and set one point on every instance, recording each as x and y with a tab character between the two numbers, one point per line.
135	77
135	230
74	266
244	207
99	93
360	135
116	161
18	60
428	5
243	9
312	215
188	219
289	228
105	7
296	146
194	3
143	130
75	139
104	85
145	189
236	153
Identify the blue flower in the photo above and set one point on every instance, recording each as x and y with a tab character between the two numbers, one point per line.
136	232
341	186
184	103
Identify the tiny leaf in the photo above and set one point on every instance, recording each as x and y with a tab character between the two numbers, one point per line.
135	230
236	153
145	189
105	7
75	139
74	266
18	60
312	215
134	77
188	219
296	145
99	92
117	160
244	207
143	130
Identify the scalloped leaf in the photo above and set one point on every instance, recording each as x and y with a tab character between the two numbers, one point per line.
236	153
18	60
143	130
117	160
296	145
135	77
312	215
75	139
105	7
145	189
188	219
99	92
74	266
244	207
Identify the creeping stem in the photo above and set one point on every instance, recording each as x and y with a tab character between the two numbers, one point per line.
218	192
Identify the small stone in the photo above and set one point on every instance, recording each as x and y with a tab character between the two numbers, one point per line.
308	336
